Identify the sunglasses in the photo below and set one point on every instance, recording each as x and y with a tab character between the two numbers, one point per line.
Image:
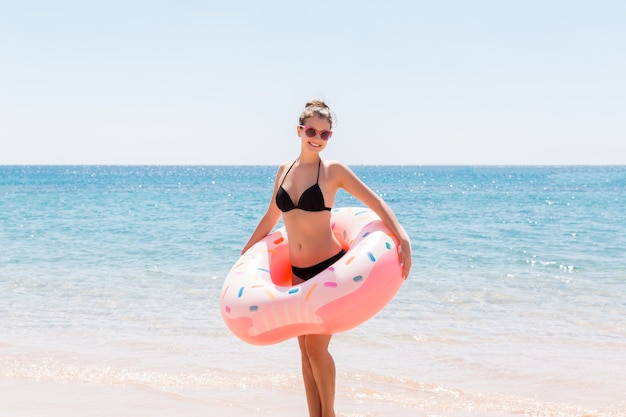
311	132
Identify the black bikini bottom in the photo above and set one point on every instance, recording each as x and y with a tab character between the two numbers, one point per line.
310	271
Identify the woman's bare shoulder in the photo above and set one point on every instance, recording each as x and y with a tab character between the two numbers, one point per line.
337	167
283	166
331	164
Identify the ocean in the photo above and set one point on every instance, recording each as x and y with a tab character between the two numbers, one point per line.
110	279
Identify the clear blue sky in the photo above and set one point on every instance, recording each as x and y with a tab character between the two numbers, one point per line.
223	82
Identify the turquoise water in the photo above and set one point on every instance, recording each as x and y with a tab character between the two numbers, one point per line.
516	304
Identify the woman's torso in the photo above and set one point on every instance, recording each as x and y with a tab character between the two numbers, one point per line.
311	238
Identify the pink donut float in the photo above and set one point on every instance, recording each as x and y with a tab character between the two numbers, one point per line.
260	306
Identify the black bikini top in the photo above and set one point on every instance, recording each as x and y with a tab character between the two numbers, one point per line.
312	199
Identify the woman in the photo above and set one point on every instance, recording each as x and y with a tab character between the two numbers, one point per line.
304	192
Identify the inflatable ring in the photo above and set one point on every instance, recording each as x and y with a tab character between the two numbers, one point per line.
260	306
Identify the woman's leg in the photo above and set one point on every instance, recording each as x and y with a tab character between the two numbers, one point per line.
318	373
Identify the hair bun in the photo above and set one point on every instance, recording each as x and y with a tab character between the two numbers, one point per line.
316	103
316	108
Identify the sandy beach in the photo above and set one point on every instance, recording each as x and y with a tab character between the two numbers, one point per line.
23	398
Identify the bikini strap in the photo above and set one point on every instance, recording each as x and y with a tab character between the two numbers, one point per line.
286	173
318	171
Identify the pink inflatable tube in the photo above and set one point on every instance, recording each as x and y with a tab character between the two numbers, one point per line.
260	306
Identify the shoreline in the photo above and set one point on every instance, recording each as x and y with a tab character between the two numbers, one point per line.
32	398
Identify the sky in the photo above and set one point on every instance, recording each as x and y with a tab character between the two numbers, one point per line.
499	82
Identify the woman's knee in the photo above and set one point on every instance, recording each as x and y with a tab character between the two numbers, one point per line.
315	346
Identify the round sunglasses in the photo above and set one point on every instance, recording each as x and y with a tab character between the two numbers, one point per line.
311	132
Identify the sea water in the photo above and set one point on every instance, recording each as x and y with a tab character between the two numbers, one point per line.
110	278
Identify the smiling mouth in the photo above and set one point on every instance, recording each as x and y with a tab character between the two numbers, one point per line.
314	144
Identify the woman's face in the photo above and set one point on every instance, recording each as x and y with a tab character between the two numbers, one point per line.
314	133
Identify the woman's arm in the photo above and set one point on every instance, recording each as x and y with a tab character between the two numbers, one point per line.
269	219
350	182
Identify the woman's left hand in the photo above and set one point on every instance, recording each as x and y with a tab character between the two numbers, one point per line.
404	252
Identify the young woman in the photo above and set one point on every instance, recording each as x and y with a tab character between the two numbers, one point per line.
304	192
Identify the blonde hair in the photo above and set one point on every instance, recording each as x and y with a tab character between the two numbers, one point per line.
319	109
